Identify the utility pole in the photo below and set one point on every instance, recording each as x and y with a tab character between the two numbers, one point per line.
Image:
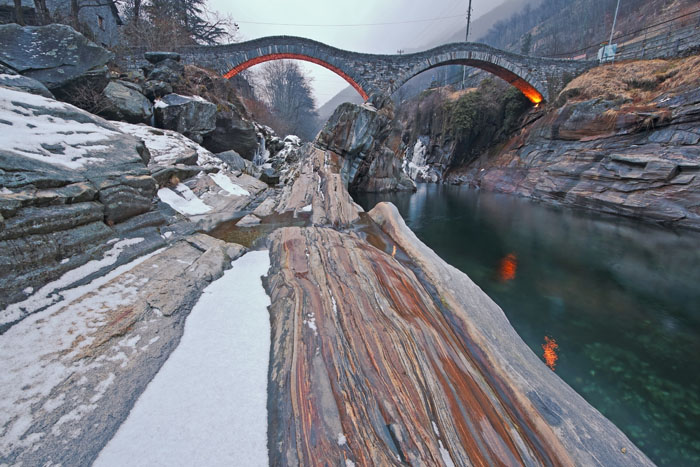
612	31
466	39
469	19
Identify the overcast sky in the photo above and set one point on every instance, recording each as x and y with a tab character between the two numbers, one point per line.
327	16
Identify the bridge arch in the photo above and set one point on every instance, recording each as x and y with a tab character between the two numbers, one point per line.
296	56
505	71
539	78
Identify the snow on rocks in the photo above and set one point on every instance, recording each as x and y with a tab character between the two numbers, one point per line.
50	131
183	200
70	373
55	291
208	403
38	354
225	183
169	147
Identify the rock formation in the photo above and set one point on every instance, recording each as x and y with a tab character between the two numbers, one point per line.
66	177
370	145
125	101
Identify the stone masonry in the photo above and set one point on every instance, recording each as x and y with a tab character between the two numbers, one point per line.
380	75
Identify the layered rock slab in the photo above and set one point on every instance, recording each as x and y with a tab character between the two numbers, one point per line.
66	177
378	362
318	186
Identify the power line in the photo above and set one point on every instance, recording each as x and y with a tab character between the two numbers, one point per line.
350	25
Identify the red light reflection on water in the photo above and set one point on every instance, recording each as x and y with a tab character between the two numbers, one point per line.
507	268
550	352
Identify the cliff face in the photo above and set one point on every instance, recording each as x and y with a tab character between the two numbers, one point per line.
369	142
444	128
623	140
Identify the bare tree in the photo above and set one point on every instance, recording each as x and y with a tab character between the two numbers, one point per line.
287	91
42	12
167	24
19	14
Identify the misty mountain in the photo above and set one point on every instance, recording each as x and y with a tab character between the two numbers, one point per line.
346	95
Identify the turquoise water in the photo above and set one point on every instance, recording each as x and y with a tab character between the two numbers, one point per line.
621	299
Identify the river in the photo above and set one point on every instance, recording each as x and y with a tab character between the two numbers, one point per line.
620	298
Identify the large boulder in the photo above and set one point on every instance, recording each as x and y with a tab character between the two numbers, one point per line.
192	116
55	54
123	102
168	70
154	89
232	132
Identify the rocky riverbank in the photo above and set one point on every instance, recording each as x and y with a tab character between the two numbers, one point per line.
622	139
381	353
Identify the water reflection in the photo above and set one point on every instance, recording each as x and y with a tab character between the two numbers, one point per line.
621	298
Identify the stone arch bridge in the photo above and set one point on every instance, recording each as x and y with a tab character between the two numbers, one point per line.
540	79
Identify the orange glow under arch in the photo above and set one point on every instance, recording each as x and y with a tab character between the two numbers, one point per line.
292	56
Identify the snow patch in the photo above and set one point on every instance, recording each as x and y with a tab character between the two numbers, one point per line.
49	294
226	184
183	200
416	165
208	403
342	440
166	146
39	353
48	138
306	208
445	455
335	305
310	321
